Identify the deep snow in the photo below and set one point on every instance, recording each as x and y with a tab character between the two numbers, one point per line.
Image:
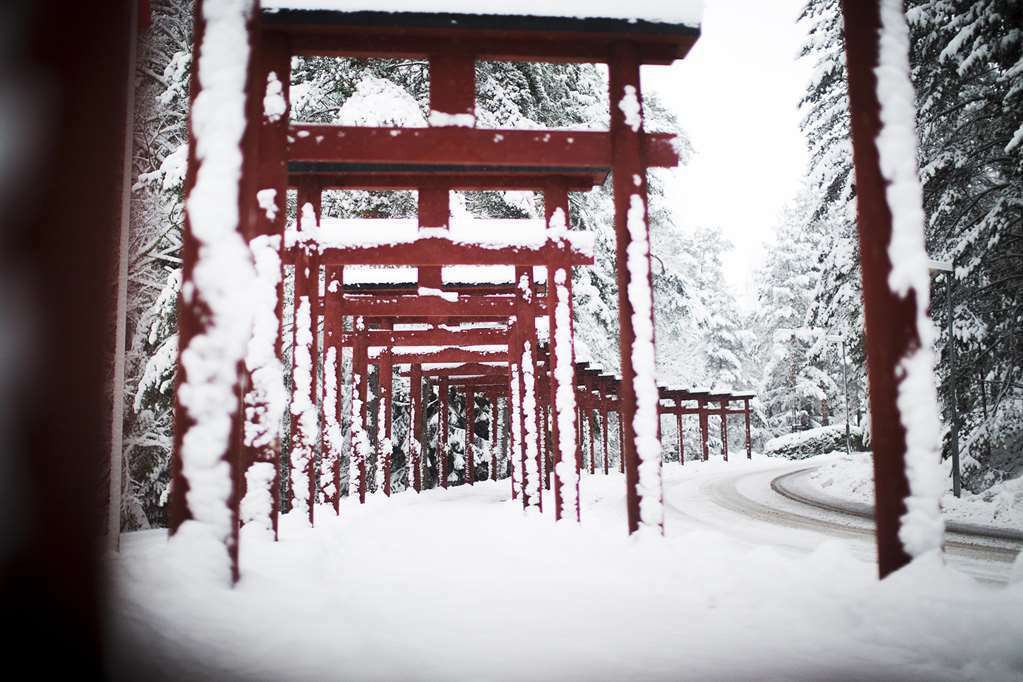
460	584
852	478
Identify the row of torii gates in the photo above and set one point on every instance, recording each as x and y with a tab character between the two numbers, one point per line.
441	323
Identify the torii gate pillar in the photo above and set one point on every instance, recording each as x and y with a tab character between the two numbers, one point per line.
638	393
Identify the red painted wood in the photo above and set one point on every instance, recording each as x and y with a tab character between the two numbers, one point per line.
603	433
621	444
723	413
416	429
360	368
525	323
467	370
384	449
681	433
193	316
492	397
470	428
442	435
272	56
470	147
749	440
310	194
704	430
629	174
556	199
453	83
428	306
332	331
434	212
385	180
586	45
890	320
432	337
438	251
446	355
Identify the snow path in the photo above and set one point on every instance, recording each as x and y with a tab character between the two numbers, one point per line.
459	584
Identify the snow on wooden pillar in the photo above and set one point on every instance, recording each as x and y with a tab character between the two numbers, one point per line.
704	429
525	296
604	432
749	440
304	420
303	397
492	397
681	434
442	435
470	428
359	437
214	314
416	428
894	293
333	329
512	410
621	444
265	397
638	393
385	370
724	429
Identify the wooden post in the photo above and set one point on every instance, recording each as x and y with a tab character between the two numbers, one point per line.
307	286
416	428
890	320
268	206
681	434
525	322
603	432
724	429
194	314
621	444
385	371
638	392
493	435
704	428
333	329
442	435
470	428
749	440
360	370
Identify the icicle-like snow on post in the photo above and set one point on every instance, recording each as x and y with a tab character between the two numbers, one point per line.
266	399
922	527
332	437
648	447
384	443
303	443
530	473
515	446
565	463
223	275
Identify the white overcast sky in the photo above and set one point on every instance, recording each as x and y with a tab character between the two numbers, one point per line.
736	96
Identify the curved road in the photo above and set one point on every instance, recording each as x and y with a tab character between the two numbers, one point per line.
767	503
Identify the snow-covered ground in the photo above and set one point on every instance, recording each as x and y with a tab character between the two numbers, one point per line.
852	478
460	584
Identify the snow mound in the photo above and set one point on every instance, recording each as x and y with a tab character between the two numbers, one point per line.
812	442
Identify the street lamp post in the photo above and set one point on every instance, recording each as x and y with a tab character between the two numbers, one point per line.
947	268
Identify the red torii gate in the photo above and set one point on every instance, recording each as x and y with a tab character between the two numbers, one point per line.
452	43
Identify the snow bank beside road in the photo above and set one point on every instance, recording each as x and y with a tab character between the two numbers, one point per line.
852	479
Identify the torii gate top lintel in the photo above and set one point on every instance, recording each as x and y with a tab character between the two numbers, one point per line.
424	28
